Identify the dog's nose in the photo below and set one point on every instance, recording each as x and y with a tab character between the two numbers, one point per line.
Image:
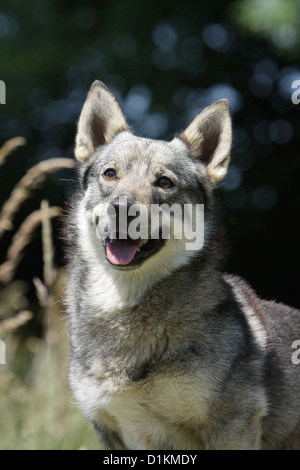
120	204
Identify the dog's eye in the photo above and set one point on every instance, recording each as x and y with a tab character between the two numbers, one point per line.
110	174
164	182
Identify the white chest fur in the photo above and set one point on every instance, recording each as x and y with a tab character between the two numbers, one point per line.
152	414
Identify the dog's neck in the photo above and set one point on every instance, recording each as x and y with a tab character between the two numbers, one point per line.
112	290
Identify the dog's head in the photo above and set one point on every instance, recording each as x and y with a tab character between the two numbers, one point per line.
133	187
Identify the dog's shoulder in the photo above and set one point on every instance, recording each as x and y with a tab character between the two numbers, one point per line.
244	293
269	315
242	290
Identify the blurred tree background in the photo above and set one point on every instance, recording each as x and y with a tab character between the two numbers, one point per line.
165	61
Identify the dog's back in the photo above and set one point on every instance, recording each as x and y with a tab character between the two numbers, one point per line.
279	327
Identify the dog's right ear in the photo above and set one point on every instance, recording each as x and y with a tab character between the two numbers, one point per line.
100	120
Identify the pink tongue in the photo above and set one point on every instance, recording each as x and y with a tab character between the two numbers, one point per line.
122	251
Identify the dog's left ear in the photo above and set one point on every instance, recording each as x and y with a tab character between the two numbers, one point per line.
209	139
100	120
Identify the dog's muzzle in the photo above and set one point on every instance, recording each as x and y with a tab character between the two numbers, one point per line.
124	247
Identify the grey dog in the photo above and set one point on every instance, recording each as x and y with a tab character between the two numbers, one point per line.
167	352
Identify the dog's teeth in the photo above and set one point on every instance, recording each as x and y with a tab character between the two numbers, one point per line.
105	241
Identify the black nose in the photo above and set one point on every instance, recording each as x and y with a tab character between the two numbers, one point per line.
121	203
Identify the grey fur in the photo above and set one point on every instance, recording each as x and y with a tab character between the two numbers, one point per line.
171	353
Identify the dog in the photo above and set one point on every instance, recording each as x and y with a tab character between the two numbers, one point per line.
166	351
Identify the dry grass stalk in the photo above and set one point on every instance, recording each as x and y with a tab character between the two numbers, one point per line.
45	290
41	292
11	324
29	182
48	248
9	146
21	238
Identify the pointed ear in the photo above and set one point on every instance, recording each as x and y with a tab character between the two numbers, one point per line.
209	139
100	120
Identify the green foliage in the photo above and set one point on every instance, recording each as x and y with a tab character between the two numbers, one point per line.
278	21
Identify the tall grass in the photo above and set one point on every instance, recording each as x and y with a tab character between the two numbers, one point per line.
36	407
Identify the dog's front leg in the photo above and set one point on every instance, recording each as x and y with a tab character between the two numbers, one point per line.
240	433
109	439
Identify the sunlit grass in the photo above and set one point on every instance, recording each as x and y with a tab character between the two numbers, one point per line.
36	407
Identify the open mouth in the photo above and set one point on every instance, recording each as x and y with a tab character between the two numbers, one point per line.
126	252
